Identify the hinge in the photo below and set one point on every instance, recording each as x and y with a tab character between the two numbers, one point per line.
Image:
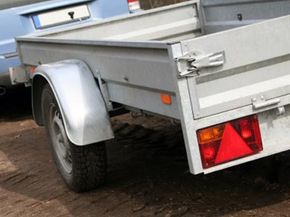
190	64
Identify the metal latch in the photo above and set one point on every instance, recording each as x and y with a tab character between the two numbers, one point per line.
190	64
263	103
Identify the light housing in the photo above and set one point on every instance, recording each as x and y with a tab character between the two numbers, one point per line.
229	141
134	5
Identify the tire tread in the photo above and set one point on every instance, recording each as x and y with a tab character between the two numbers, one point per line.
89	162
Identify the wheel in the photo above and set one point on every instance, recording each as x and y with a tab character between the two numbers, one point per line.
83	168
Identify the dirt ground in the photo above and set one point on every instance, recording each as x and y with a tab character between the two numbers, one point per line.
148	175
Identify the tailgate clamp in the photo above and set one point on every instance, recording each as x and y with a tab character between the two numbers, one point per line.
263	103
190	64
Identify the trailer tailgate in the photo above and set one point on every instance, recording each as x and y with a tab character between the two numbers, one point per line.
255	69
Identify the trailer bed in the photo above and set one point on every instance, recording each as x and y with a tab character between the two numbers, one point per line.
135	52
213	71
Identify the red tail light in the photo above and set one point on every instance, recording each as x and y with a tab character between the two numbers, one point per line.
134	5
228	141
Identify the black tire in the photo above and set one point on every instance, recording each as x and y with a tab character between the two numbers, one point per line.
83	168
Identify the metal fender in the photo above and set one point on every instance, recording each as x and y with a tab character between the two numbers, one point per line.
79	99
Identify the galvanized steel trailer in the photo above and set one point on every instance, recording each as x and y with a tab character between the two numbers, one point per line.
228	86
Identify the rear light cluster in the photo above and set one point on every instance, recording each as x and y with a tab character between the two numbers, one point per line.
134	5
228	141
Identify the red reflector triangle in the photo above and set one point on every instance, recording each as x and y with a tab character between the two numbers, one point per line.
232	146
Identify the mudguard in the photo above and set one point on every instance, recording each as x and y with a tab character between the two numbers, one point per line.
79	99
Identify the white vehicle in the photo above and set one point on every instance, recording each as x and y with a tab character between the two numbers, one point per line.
220	67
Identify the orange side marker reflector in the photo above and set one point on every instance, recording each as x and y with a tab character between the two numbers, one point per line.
166	99
32	69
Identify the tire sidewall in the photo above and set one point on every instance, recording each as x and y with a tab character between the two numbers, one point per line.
47	100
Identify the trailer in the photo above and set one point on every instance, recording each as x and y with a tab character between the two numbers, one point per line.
221	68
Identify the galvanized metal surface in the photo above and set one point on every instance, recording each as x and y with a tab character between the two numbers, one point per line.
256	63
219	15
186	115
135	70
17	76
79	99
169	23
255	59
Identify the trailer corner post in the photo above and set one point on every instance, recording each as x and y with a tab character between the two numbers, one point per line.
186	113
